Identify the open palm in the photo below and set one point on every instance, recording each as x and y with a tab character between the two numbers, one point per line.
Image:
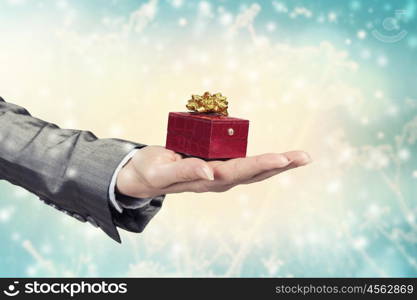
155	170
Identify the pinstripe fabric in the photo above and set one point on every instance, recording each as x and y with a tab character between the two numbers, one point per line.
69	169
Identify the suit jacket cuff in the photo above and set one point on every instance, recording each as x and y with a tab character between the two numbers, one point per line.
112	193
93	178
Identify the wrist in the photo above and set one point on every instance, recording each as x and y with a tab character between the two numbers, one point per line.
129	183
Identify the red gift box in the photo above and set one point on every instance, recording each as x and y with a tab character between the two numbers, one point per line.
209	136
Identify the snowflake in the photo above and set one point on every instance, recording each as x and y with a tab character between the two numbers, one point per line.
182	22
226	19
404	154
360	243
177	3
204	8
271	26
72	172
6	213
361	34
382	61
332	17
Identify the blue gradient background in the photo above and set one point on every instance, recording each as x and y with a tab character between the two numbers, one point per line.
308	74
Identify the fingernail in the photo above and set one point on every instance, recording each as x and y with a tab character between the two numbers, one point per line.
206	173
307	158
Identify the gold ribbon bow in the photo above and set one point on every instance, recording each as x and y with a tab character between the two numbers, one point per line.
208	103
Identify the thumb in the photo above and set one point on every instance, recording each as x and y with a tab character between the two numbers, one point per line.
187	169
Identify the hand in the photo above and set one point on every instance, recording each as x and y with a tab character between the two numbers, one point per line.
154	170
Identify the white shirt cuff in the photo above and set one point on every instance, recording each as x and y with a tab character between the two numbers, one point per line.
112	194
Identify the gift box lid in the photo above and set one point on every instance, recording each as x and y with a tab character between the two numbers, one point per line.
207	117
207	126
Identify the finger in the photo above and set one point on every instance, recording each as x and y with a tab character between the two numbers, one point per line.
196	186
183	170
237	170
299	159
268	174
295	159
154	155
218	186
177	156
204	186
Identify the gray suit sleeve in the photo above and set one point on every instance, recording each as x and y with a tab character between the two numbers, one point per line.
68	169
